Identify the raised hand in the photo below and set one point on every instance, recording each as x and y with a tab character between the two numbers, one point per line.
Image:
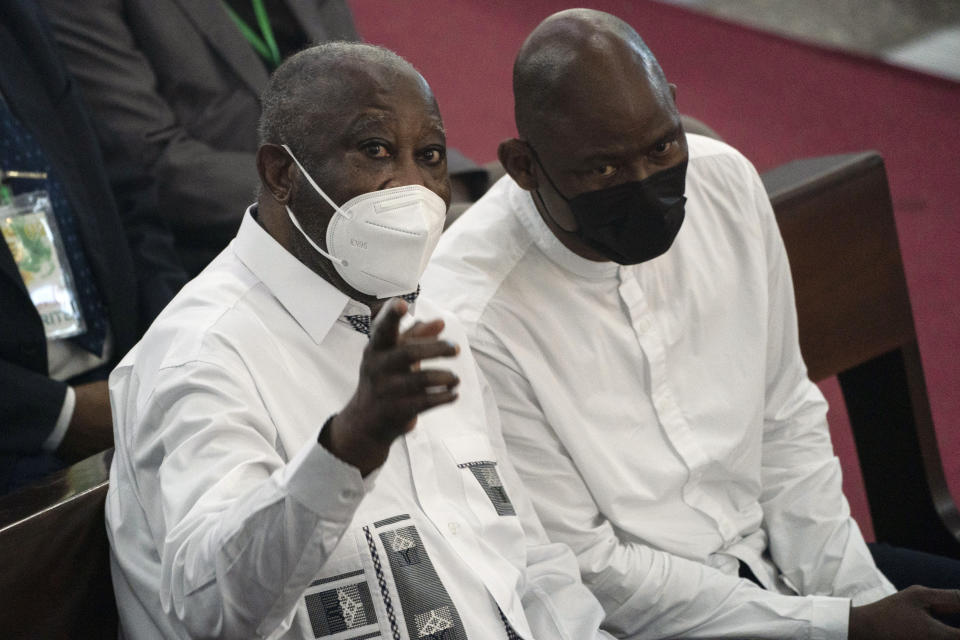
393	390
906	616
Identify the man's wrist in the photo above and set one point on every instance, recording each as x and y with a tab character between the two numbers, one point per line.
324	436
856	623
339	438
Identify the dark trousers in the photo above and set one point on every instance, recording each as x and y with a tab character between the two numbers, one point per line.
905	567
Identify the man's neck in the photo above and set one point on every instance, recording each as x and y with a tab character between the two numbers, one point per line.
268	215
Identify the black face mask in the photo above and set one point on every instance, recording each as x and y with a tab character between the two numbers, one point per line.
632	222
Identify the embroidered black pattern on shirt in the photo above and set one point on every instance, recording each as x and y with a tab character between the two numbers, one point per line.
342	576
340	609
434	623
511	634
486	474
401	542
427	608
386	521
382	582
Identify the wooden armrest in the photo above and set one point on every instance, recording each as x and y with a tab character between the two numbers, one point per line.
54	552
855	322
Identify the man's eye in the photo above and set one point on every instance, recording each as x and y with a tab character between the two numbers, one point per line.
432	156
663	148
606	170
376	150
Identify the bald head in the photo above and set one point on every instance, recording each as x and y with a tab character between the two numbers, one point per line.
568	57
594	112
326	78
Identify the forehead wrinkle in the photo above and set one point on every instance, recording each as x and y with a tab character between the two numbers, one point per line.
367	122
372	122
435	125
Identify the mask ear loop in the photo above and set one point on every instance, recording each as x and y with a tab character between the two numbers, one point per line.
543	203
536	157
296	223
315	186
331	258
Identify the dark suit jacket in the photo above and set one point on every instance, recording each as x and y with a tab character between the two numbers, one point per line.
174	87
135	266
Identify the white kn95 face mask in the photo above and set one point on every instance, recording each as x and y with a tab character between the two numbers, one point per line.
380	242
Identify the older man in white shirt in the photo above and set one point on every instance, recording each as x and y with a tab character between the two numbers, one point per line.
642	348
275	473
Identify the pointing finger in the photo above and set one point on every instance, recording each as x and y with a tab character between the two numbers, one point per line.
383	335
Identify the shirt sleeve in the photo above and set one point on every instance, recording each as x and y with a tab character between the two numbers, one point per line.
63	421
813	539
240	527
645	592
555	600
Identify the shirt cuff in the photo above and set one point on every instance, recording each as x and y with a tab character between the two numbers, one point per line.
830	618
872	595
324	483
63	421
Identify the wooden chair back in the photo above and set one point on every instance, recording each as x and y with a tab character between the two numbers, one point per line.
836	218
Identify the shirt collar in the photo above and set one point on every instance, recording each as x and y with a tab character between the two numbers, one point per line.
358	315
312	301
551	245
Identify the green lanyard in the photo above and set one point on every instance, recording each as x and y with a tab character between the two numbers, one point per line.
266	46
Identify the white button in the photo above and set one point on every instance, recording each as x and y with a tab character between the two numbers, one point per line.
453	526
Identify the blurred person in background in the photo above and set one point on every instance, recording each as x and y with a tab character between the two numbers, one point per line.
110	264
173	87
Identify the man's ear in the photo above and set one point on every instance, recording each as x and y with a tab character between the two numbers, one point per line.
517	160
673	92
275	168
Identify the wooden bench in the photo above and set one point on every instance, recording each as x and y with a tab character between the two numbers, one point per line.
55	576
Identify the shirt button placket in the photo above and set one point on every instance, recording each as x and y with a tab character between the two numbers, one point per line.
668	410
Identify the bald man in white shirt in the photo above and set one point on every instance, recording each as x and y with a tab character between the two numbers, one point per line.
626	292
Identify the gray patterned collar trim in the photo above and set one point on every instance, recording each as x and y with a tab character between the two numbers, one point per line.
361	322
